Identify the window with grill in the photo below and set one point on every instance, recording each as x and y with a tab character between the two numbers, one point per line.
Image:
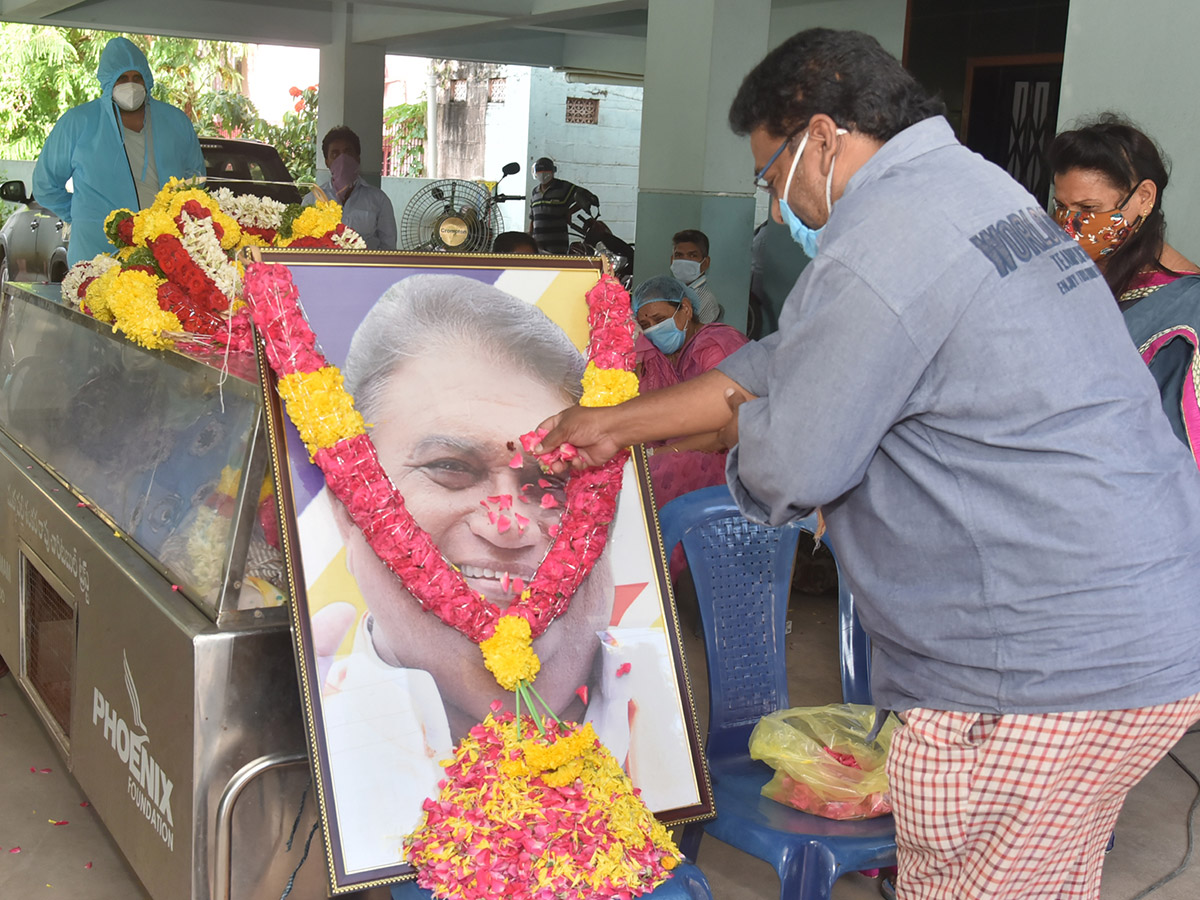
496	89
49	648
583	110
458	90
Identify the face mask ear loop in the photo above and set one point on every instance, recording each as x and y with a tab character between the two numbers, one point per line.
829	181
787	185
829	188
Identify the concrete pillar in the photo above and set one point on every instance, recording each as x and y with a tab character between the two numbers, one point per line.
695	172
352	83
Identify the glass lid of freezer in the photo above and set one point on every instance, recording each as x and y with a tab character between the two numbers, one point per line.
163	444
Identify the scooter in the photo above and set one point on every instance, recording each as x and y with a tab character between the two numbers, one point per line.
592	237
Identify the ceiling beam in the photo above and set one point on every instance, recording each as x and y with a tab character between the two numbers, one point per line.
32	10
585	7
622	55
627	24
510	47
401	20
491	8
374	23
307	23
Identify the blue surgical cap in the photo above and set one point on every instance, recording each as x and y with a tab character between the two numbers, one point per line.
663	287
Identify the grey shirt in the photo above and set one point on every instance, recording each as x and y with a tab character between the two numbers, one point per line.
953	384
368	211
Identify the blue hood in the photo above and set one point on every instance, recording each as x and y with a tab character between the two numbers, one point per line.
122	55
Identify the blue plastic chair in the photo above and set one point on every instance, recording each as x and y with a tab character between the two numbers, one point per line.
688	883
743	577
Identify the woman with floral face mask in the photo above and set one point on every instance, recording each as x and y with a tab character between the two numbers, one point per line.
1109	180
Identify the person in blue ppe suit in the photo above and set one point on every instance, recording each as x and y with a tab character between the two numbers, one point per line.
117	151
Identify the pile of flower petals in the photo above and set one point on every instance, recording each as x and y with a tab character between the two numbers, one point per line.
535	818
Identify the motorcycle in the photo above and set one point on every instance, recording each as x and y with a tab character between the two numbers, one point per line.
592	237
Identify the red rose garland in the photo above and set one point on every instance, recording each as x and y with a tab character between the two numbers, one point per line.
356	477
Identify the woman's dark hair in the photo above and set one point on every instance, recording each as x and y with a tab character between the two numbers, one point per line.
846	75
1126	157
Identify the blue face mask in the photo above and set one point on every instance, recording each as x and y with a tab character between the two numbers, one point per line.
809	239
666	335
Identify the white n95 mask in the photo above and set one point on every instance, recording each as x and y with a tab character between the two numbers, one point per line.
130	95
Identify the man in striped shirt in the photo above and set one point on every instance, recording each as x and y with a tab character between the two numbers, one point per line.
552	204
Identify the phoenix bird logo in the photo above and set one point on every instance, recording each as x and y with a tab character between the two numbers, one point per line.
133	695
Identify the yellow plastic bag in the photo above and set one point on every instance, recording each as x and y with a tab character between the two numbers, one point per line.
823	763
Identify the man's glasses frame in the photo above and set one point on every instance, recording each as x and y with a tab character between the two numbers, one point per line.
760	180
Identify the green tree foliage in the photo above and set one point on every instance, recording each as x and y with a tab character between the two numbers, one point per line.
229	114
404	139
46	71
49	70
296	138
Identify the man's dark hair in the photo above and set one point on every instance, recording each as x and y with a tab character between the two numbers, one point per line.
514	242
1126	157
846	75
341	133
691	236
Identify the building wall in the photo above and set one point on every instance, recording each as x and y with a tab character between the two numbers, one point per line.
884	19
507	125
1155	87
460	123
603	157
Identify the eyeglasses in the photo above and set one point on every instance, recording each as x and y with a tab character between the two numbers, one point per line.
760	180
1062	212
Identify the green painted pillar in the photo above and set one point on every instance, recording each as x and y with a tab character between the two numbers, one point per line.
694	171
352	76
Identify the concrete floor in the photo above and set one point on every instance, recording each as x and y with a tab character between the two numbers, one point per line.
54	859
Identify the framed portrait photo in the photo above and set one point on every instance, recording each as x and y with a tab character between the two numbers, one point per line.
449	360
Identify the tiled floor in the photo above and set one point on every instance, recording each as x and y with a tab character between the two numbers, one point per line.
53	862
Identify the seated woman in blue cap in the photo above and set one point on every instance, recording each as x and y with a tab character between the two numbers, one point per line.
674	347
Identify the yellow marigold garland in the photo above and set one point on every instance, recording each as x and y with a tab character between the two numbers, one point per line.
150	223
322	411
508	653
316	220
607	387
133	302
230	479
98	292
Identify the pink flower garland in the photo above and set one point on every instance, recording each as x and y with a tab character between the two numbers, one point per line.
356	477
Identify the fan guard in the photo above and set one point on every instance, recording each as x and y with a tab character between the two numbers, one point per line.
450	216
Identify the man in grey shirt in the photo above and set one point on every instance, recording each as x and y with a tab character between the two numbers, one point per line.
953	385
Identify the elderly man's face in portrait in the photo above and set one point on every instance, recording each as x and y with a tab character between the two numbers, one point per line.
444	430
